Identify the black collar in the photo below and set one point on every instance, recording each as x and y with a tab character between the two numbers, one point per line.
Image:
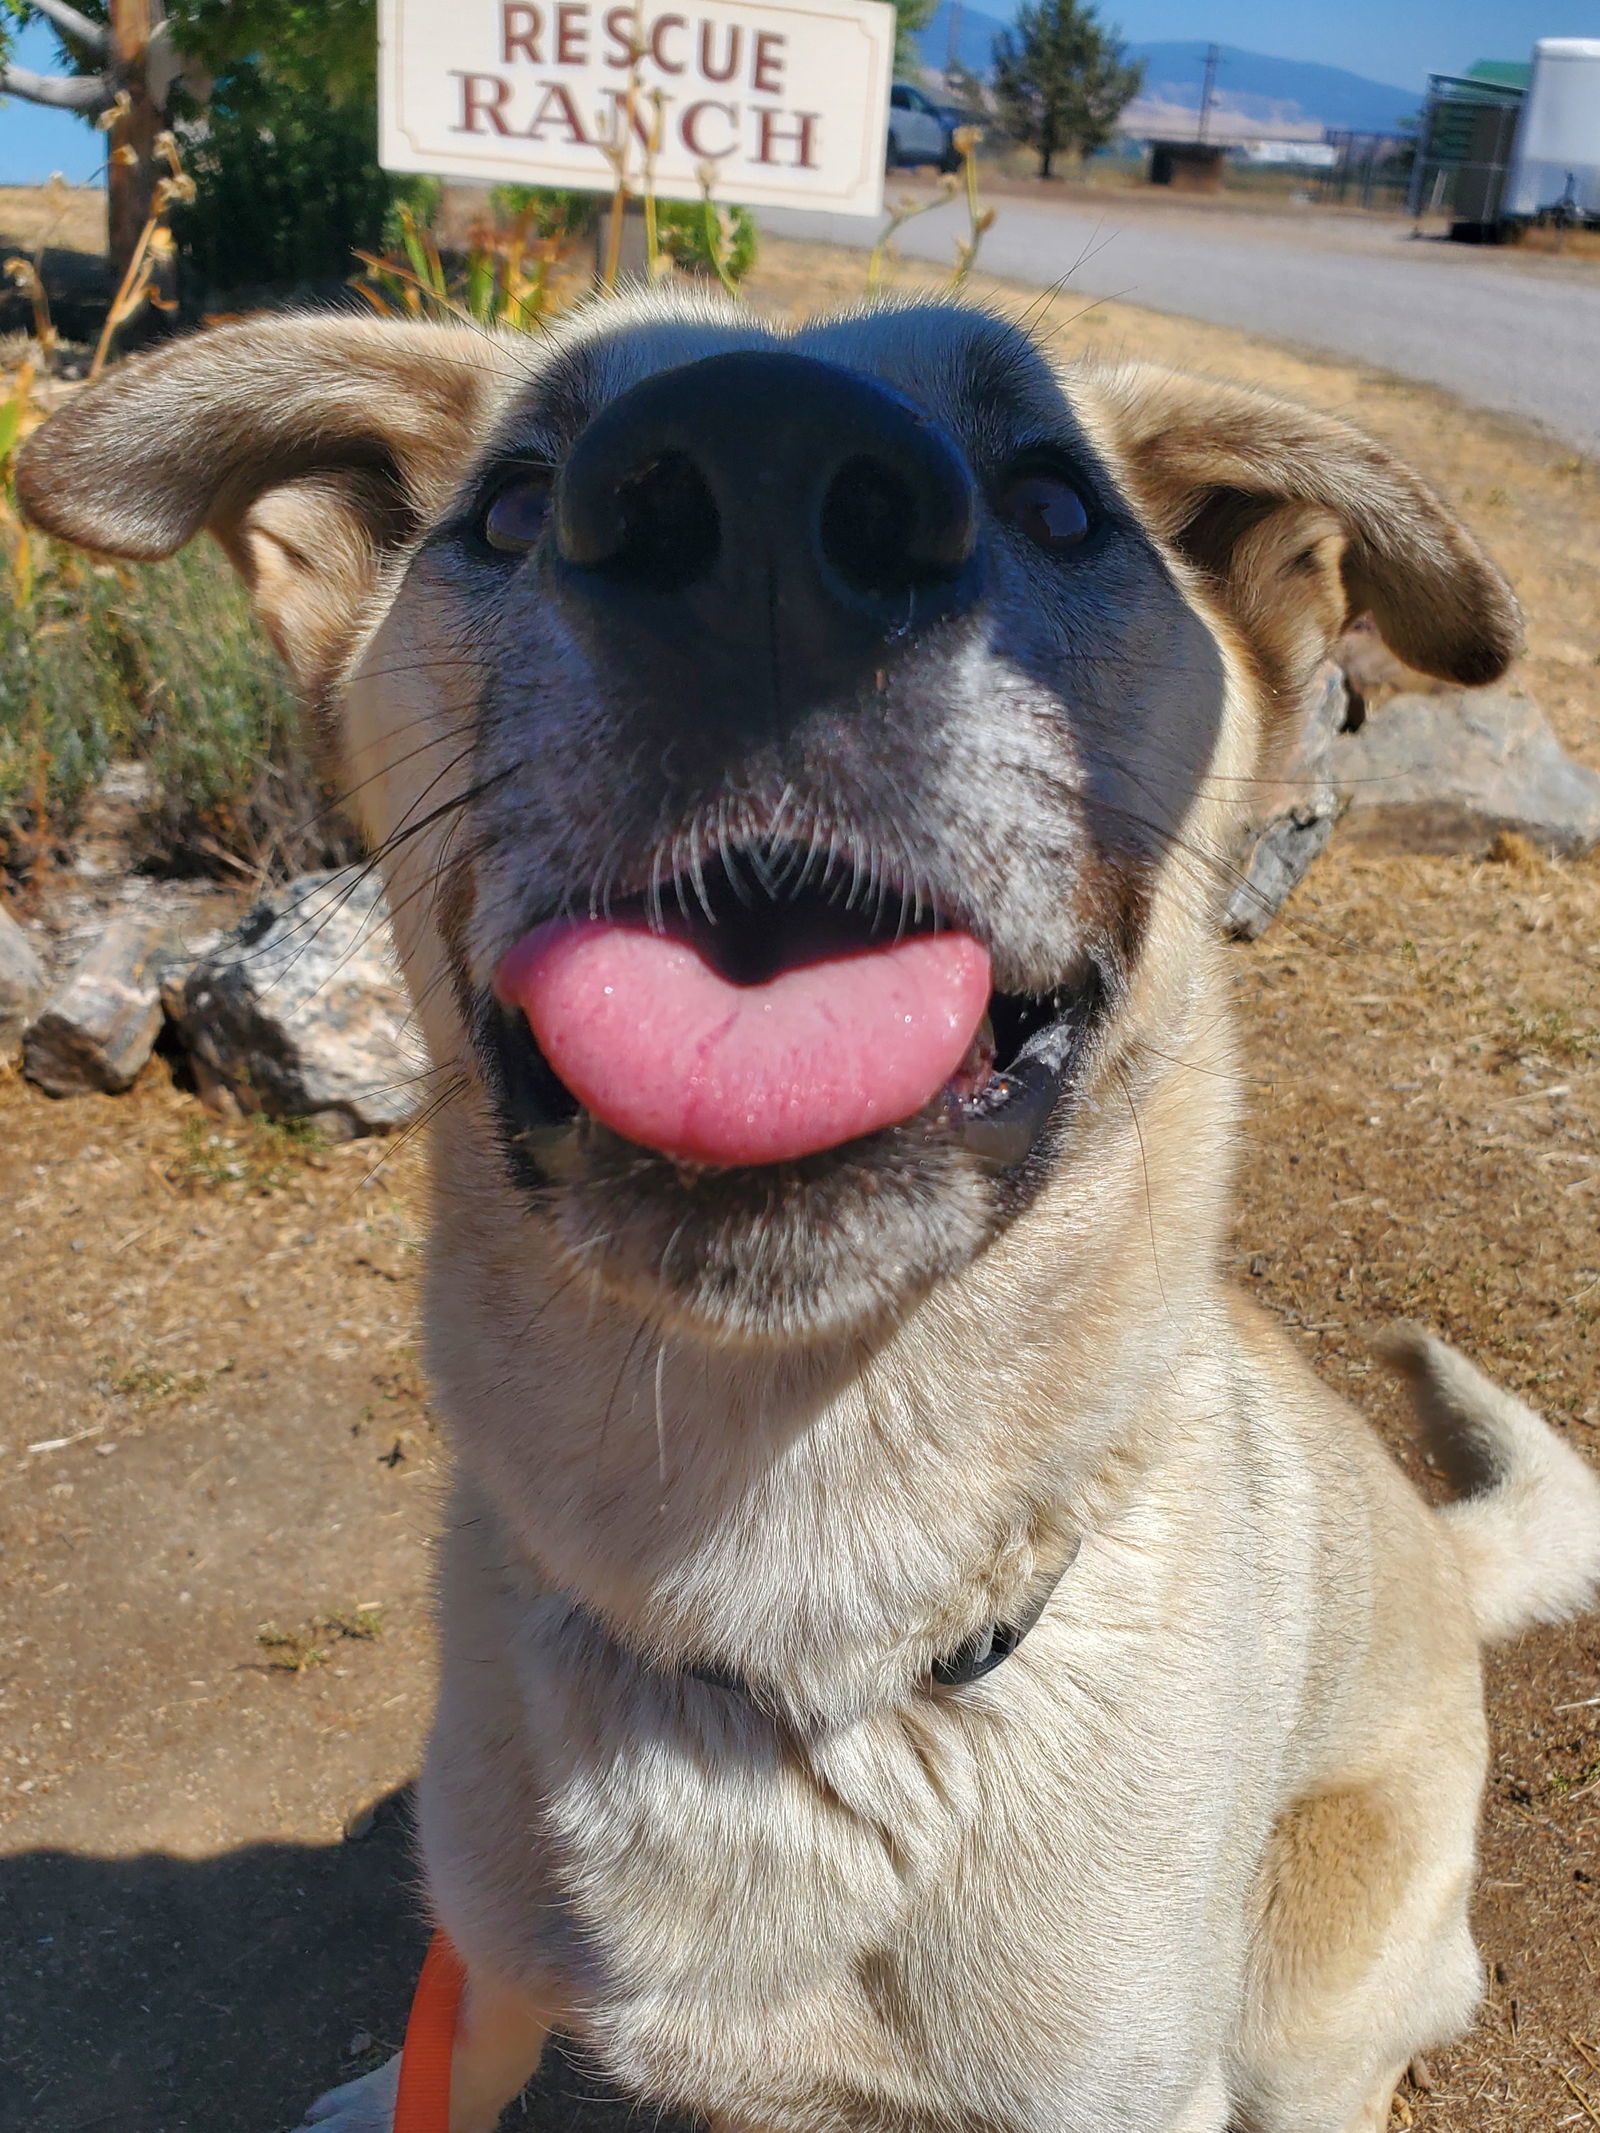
980	1654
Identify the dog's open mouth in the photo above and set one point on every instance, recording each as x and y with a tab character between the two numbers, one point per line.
737	1021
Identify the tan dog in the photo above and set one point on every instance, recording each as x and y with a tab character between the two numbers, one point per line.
797	768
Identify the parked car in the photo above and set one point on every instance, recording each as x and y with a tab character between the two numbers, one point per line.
918	130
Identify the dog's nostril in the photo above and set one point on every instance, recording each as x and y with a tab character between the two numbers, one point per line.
866	526
667	527
893	521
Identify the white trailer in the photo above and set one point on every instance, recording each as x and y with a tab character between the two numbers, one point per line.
1555	165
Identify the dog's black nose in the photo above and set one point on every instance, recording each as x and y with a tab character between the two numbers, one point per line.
774	521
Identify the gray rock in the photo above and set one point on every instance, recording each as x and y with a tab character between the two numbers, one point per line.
1277	862
1448	773
299	1012
22	986
1290	816
98	1029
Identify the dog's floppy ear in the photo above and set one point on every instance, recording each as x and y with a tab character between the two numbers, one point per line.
312	447
1299	524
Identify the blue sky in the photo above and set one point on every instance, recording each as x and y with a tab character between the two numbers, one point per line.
1398	41
34	142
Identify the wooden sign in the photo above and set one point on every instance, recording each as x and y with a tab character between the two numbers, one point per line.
773	102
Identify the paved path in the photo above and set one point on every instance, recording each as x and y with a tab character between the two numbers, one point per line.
1504	330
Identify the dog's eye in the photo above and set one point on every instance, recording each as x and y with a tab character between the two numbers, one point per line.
516	515
1047	509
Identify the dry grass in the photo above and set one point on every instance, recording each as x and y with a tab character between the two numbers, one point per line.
30	216
294	1651
251	1159
1566	244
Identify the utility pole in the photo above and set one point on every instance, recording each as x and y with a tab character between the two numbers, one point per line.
1208	93
952	57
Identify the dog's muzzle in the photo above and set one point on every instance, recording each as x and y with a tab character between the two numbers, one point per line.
754	534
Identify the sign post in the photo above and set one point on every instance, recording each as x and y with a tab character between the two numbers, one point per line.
765	102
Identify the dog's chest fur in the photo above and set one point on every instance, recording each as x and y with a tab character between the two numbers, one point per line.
746	1914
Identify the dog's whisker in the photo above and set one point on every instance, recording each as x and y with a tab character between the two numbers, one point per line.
661	1424
1144	1165
396	1143
697	875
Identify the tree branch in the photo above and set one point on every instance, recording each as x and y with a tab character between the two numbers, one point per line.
94	36
65	92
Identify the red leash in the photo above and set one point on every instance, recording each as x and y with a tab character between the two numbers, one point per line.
423	2102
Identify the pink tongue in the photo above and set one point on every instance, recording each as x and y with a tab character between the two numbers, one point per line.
669	1053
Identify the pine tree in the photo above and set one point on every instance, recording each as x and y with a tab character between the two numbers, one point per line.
1061	80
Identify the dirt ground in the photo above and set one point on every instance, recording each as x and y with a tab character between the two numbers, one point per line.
220	1469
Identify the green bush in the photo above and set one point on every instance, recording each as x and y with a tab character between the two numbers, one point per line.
58	721
558	216
284	149
287	186
160	665
692	233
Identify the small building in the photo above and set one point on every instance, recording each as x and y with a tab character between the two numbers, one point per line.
1469	127
1188	166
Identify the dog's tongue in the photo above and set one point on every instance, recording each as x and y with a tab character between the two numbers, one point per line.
655	1042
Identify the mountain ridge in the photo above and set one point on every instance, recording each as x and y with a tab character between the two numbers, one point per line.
1253	89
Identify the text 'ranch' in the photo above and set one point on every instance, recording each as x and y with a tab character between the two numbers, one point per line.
716	64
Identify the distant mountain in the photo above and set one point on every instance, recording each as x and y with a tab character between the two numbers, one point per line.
974	39
1254	93
1258	90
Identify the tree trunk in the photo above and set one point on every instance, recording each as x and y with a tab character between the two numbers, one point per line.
1047	147
132	175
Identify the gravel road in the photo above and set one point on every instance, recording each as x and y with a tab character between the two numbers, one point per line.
1505	330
